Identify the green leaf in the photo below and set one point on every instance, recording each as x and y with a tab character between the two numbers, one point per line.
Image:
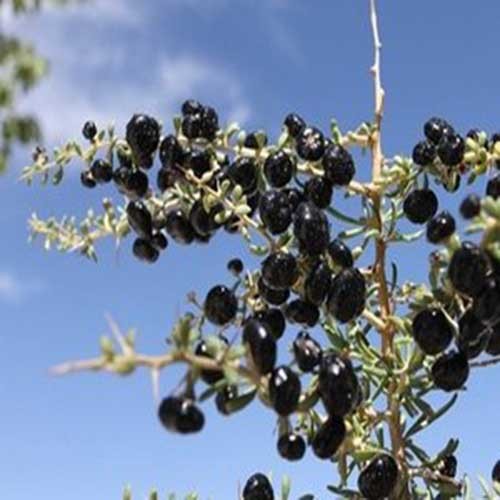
286	486
240	402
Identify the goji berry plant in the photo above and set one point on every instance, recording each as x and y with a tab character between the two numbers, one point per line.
370	350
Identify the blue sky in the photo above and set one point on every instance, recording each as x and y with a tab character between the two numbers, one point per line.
85	436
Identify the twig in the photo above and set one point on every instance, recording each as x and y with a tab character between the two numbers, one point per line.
485	363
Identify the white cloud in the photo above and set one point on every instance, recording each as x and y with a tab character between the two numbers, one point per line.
14	290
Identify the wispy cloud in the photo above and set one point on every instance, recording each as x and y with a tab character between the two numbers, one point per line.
14	290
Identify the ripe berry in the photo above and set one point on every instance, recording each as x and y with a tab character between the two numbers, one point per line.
470	206
274	320
209	376
440	227
140	219
203	223
280	271
473	335
137	184
319	191
493	347
271	296
159	241
347	297
340	253
424	153
310	144
209	123
102	171
220	305
291	446
198	161
244	173
191	107
224	398
275	211
449	466
435	128
258	487
338	385
262	345
310	227
329	437
450	371
420	205
284	390
181	415
235	266
495	473
252	140
493	187
451	149
487	303
294	124
278	169
318	283
89	130
179	227
143	135
378	479
303	312
468	269
307	352
432	331
166	178
171	153
145	251
191	126
87	180
338	165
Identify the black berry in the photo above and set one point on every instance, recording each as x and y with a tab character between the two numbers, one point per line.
435	128
420	205
166	178
307	352
220	305
179	227
284	390
424	153
378	479
102	171
302	312
311	229
487	302
291	446
278	169
295	124
262	345
448	466
338	165
432	331
495	473
145	251
203	222
137	184
329	437
470	206
209	376
473	335
493	347
159	241
87	180
295	197
340	253
310	144
140	219
493	187
319	191
347	297
235	266
440	227
89	130
280	271
243	172
224	398
191	126
450	371
171	153
209	123
272	296
198	161
451	149
275	211
318	283
143	135
191	107
253	138
258	487
274	320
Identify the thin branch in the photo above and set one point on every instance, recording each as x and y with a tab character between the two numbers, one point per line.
485	363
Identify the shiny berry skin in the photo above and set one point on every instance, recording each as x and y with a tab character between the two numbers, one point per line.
451	149
470	206
143	135
347	297
284	390
189	419
473	335
280	271
191	126
495	473
493	187
275	211
262	345
432	331
209	376
271	296
319	191
440	227
340	253
235	266
307	352
220	305
291	446
191	107
450	371
171	153
209	123
140	219
493	347
145	251
329	437
378	479
89	130
424	153
258	487
178	227
168	411
338	385
203	223
302	312
294	124
487	302
166	178
449	466
251	141
87	180
274	320
310	227
295	197
338	165
159	241
420	205
102	171
278	169
318	283
468	269
224	398
137	184
435	128
198	161
310	144
244	173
